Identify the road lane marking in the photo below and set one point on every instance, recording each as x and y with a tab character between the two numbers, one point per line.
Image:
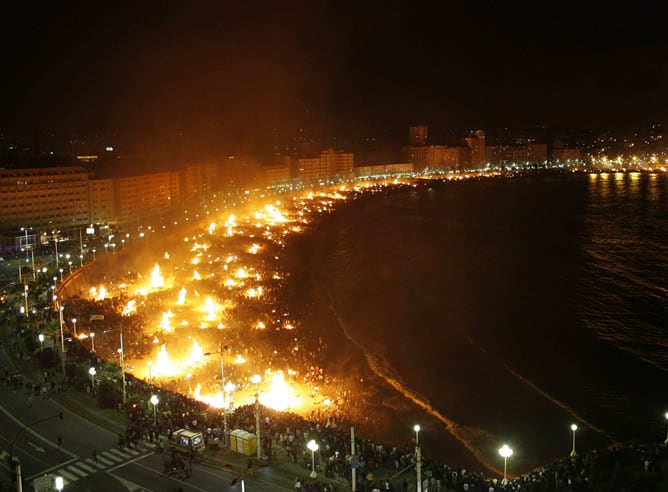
67	475
35	434
74	469
83	465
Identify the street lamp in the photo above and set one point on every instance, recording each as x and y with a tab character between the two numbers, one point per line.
418	459
74	326
154	400
92	341
92	373
506	452
222	388
59	483
41	342
62	340
25	295
313	446
255	380
573	428
122	354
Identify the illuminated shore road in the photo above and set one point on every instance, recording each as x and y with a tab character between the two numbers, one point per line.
149	473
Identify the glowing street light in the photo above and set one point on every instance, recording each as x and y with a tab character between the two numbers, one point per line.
92	373
313	446
573	428
59	483
74	326
418	458
154	400
41	342
506	452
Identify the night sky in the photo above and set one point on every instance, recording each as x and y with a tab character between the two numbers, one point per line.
240	74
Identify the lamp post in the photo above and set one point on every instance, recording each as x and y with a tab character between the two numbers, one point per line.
418	459
222	389
154	400
506	452
25	295
666	441
62	340
122	354
255	380
92	373
573	428
150	374
313	446
59	483
41	342
74	327
92	341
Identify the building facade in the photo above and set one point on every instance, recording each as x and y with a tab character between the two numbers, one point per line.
418	135
329	164
44	198
476	142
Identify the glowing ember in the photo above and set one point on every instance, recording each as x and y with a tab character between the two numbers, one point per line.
280	395
254	249
157	281
212	227
165	323
216	401
211	308
98	294
163	367
196	355
239	359
196	275
130	308
230	224
182	297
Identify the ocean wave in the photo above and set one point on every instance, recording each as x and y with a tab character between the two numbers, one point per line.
470	437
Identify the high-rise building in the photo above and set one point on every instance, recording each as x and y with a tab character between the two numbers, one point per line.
43	198
476	142
144	195
101	201
418	135
326	165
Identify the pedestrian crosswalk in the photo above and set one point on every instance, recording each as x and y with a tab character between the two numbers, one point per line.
103	460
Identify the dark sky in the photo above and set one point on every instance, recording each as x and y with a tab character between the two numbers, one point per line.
240	73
